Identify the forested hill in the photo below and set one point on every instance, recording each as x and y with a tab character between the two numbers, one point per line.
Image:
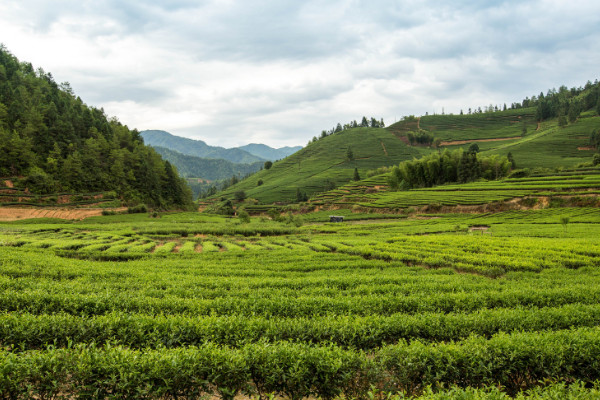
206	168
56	143
197	148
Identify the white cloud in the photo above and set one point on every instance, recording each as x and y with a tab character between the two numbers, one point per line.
231	72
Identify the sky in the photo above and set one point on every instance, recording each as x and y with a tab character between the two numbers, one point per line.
278	72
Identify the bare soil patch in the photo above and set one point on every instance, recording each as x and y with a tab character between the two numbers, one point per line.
586	148
9	184
457	142
14	214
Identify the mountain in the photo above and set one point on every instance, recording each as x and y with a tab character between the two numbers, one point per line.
197	148
51	142
206	168
546	131
269	153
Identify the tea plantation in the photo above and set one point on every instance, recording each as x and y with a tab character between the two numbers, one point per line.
445	306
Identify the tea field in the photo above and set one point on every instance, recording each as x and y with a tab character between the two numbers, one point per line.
449	306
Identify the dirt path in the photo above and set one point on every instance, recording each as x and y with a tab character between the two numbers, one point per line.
457	142
418	123
384	150
15	214
586	148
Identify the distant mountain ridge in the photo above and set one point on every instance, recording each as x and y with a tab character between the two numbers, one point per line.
197	148
247	154
269	153
206	168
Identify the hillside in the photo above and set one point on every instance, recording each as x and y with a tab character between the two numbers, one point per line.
324	164
269	153
197	148
548	131
206	168
51	143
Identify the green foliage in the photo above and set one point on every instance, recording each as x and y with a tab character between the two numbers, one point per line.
139	209
356	176
474	148
456	166
420	137
240	195
268	164
190	306
349	154
243	216
47	131
206	168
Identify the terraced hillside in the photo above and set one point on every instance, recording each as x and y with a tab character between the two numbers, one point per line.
489	125
311	168
576	187
315	168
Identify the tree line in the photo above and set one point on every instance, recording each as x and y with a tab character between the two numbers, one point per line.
364	123
56	143
564	103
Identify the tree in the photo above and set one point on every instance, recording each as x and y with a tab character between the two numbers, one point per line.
473	148
301	196
564	221
511	160
596	159
349	154
259	183
574	110
364	123
356	176
240	195
562	121
268	164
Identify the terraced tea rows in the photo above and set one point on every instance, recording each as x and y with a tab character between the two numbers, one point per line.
583	184
188	305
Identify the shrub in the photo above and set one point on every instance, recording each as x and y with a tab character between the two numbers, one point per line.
243	216
139	209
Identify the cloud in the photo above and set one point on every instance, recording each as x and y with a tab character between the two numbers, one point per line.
231	72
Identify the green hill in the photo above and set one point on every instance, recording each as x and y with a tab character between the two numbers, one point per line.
51	142
206	168
324	164
550	131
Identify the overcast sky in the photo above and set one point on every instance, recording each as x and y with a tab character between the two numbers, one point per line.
231	72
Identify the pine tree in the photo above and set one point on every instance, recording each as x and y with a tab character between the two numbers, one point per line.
349	154
356	176
511	160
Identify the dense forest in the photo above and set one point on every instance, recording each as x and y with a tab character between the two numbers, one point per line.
206	168
56	143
